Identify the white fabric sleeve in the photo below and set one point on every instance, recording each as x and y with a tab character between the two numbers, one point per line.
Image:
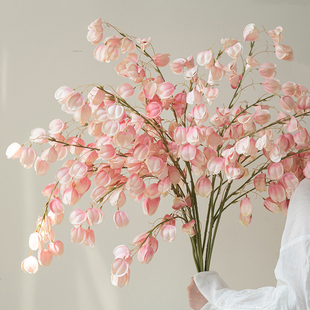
221	297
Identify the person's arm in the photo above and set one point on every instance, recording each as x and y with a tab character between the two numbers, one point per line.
221	297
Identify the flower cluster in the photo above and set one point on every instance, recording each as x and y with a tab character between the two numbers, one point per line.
132	153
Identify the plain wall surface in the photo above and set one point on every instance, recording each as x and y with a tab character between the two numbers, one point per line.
43	46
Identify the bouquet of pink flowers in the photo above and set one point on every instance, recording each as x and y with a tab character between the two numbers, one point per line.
123	147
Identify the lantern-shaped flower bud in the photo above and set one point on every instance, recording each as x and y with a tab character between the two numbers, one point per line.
287	103
267	70
306	170
28	157
94	216
56	248
70	196
145	254
275	171
168	233
189	229
245	220
205	58
290	181
36	242
14	151
250	33
289	88
121	219
260	182
150	206
203	186
284	52
194	97
119	267
78	235
271	205
77	217
272	85
276	192
261	116
246	207
125	90
161	60
89	238
45	257
30	265
56	206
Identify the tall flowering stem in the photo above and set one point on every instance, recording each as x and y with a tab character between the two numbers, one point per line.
150	138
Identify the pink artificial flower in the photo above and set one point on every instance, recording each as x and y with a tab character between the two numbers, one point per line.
145	254
161	60
234	50
177	66
144	42
153	109
77	217
150	206
272	85
205	59
234	80
306	170
83	114
290	181
251	63
28	157
125	90
82	185
203	186
168	233
260	182
121	219
303	102
63	175
41	166
165	90
119	267
14	151
70	196
187	152
36	242
276	192
120	281
245	220
189	229
56	206
45	257
127	45
271	205
118	198
50	155
216	73
63	93
78	235
275	171
289	88
194	135
94	216
302	137
89	238
164	185
152	191
284	52
78	170
56	248
174	175
250	33
261	117
200	113
107	152
287	103
210	94
246	207
30	265
276	34
267	70
56	219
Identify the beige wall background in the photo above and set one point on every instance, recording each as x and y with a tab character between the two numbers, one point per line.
43	46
